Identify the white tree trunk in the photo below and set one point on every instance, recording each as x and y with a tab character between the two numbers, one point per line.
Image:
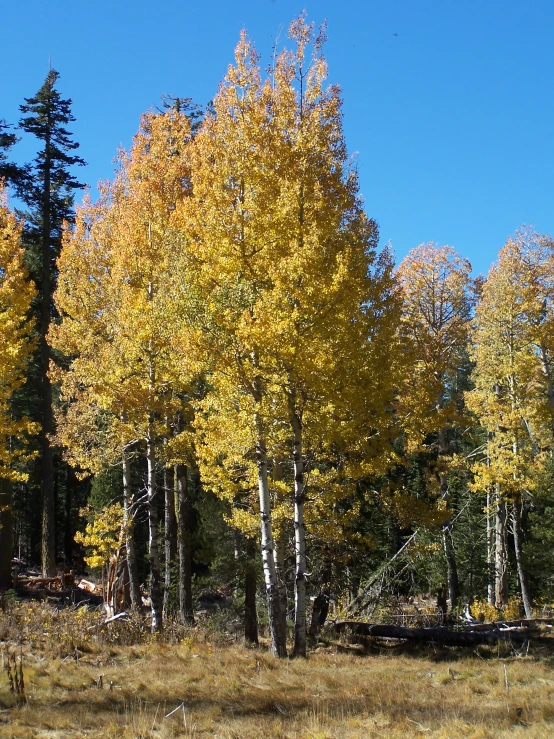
153	538
490	552
299	534
129	526
277	622
521	571
500	554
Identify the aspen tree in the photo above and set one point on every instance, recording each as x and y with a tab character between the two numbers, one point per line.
512	355
124	355
230	221
16	349
438	296
286	252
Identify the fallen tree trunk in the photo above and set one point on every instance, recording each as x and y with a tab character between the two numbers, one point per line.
440	634
520	623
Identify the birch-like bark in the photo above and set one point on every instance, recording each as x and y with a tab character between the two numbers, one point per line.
518	543
277	622
500	554
521	571
129	528
546	368
153	538
6	533
490	551
299	533
184	545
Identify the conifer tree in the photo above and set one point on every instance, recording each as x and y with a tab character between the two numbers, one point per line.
9	170
49	197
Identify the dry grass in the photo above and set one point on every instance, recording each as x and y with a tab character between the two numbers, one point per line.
229	691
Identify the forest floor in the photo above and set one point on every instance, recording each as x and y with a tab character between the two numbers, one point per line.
82	679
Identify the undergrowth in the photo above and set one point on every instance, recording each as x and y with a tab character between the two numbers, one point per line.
84	678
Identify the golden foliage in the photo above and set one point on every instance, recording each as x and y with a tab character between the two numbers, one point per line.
118	293
102	535
513	351
298	310
16	347
438	295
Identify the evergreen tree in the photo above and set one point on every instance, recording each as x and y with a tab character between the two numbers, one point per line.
9	171
49	196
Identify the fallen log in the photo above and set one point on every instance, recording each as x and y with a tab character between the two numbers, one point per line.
520	623
439	634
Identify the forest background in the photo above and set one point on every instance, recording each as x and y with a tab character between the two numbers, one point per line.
438	475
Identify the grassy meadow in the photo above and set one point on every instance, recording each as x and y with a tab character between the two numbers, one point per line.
85	679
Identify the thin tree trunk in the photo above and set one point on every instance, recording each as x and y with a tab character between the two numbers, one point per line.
47	416
280	548
170	535
129	528
490	552
518	540
238	540
448	544
277	619
522	573
6	533
250	588
546	368
500	554
450	555
299	534
184	545
154	550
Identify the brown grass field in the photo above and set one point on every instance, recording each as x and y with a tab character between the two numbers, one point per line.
225	690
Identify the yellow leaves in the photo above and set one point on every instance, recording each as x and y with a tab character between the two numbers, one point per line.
245	255
512	351
246	521
438	295
102	535
16	347
121	281
411	511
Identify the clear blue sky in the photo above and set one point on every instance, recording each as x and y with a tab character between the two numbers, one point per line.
450	105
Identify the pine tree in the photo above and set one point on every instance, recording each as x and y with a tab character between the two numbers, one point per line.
49	197
9	170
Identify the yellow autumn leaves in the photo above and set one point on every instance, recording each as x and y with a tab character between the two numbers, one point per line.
16	345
